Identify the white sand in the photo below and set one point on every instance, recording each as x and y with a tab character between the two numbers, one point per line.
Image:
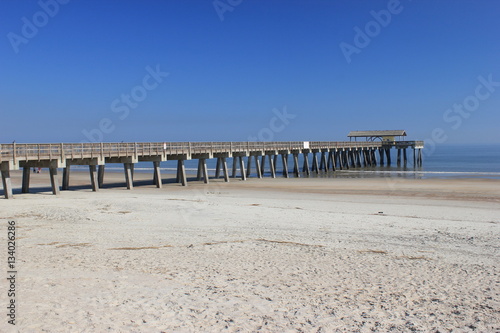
297	255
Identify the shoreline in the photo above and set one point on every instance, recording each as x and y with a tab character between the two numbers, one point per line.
472	189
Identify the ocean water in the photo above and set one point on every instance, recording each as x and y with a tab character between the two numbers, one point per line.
442	161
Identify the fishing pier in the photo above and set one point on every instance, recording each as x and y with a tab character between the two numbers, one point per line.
318	156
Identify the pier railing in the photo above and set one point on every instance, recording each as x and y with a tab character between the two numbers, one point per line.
28	151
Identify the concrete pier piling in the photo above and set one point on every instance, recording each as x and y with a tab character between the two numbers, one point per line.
417	157
65	179
272	166
199	172
323	161
263	159
156	174
6	181
204	170
249	166
100	175
388	154
257	166
242	168
224	169
218	167
284	159
181	173
305	167
339	160
315	166
296	165
334	159
93	178
326	156
127	168
234	167
26	180
54	181
222	163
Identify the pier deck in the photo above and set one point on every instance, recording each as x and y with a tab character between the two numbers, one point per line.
332	154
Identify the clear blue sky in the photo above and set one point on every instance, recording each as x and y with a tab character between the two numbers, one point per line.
225	77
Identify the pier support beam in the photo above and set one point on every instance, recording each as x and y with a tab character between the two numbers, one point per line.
257	166
235	166
199	173
202	165
296	165
7	184
352	159
217	168
374	157
272	166
157	174
100	175
26	179
388	154
242	168
65	180
305	167
93	178
54	181
339	160
345	160
398	161
405	159
127	168
323	162
284	158
224	169
329	161
315	166
249	165
181	172
381	156
222	163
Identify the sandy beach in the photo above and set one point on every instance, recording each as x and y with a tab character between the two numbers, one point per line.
270	255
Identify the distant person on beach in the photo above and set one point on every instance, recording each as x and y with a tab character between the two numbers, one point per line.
39	170
34	170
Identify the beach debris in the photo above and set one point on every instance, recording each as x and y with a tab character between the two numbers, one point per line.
373	251
140	248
